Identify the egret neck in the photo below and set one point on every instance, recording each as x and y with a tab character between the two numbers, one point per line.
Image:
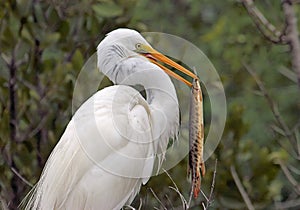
133	69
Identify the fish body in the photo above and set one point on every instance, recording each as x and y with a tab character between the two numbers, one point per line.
196	138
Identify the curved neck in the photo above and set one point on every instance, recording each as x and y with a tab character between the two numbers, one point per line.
160	91
129	68
163	103
126	67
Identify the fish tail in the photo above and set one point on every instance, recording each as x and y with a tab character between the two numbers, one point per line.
197	184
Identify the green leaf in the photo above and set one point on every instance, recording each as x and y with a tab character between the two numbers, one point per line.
26	35
280	154
77	60
49	39
3	69
107	9
51	53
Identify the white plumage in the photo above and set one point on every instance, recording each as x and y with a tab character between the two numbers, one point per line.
109	147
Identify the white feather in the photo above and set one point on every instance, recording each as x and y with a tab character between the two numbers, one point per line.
109	147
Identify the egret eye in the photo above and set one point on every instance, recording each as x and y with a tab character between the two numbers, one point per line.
138	46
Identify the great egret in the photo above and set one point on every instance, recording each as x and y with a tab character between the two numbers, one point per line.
108	148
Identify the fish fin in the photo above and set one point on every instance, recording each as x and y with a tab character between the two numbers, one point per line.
202	167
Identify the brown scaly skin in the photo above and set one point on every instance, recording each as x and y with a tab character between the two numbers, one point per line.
196	136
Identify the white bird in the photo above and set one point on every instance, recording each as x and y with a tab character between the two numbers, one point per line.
110	145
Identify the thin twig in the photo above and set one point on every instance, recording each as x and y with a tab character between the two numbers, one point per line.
212	187
289	35
183	201
170	202
273	106
288	74
203	206
156	197
175	188
288	204
294	169
289	177
206	198
12	82
262	23
132	208
14	127
241	188
292	35
21	177
190	197
141	204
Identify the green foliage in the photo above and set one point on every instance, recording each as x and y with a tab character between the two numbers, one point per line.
46	43
225	32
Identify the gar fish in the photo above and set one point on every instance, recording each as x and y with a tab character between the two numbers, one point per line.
196	138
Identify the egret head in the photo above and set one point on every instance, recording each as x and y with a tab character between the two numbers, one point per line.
125	43
128	38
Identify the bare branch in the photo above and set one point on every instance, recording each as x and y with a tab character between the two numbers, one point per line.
175	188
191	196
14	125
206	198
139	208
294	169
157	198
288	204
170	202
273	106
288	74
183	201
141	204
241	188
204	207
263	24
12	98
289	35
289	177
212	187
20	176
292	35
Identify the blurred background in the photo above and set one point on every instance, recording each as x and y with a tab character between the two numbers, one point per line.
44	44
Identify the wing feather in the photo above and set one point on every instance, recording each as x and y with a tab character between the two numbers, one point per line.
103	156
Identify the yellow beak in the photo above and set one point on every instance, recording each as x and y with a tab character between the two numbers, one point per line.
155	56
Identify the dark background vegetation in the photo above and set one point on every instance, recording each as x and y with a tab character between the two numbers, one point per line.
44	44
